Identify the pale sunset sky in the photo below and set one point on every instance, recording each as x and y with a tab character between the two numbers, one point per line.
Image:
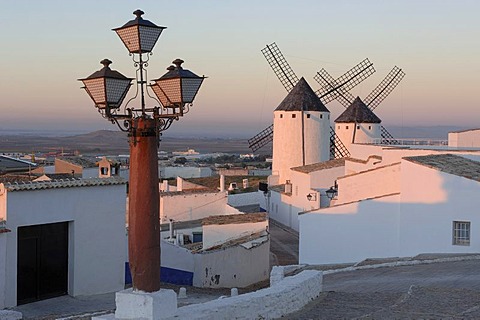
47	45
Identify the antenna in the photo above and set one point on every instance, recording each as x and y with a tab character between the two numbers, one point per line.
280	66
339	88
385	87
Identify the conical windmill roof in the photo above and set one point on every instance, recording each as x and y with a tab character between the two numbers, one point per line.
302	98
358	112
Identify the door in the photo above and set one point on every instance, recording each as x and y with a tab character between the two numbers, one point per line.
42	262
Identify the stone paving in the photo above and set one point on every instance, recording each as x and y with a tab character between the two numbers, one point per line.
444	290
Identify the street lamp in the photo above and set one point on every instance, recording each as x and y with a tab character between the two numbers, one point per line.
175	91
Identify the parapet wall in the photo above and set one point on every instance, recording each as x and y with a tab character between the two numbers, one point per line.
285	296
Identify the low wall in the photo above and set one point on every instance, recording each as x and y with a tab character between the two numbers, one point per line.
286	296
243	199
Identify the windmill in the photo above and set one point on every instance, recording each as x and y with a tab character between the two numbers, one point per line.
337	89
372	101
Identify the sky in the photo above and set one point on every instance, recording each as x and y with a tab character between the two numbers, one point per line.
48	45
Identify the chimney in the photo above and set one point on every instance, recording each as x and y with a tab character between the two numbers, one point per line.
179	184
222	183
165	186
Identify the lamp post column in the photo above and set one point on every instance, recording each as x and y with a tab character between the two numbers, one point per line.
143	208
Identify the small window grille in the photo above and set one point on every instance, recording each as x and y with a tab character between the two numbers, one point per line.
461	233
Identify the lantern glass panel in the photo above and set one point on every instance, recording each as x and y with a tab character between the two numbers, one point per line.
129	37
96	89
190	88
116	90
148	37
171	88
160	95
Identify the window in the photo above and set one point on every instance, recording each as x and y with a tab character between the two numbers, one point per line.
308	116
461	233
369	127
281	116
294	115
358	127
321	116
338	127
346	127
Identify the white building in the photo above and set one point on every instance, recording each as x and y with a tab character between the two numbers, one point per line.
67	237
301	133
464	139
357	124
421	204
217	252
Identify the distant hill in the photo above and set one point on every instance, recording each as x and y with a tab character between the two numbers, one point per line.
433	132
116	142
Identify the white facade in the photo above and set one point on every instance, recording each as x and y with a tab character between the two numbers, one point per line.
299	138
3	265
419	218
95	212
184	172
464	139
307	180
234	252
359	133
191	205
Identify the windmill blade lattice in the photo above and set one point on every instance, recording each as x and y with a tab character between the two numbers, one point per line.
337	148
339	88
387	138
280	66
261	139
385	87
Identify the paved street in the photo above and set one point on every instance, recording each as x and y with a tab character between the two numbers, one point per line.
283	245
445	290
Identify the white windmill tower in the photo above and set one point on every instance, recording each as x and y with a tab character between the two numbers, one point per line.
358	124
302	131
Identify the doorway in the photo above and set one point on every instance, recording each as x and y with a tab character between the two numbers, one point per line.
42	262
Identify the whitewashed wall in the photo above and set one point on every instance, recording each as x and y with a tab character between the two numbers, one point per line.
232	267
464	139
216	234
418	220
184	172
364	133
3	264
355	166
96	234
284	208
363	151
434	200
176	257
368	184
185	206
349	233
243	199
288	144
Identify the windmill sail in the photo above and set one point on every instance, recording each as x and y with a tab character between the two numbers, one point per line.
280	66
337	148
385	87
261	139
339	88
